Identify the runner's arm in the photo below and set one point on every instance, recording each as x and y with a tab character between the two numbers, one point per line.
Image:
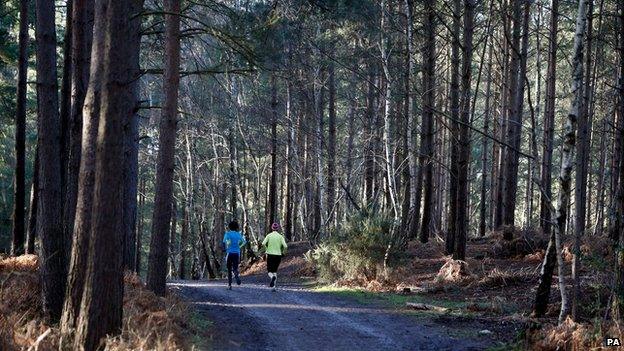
284	246
225	243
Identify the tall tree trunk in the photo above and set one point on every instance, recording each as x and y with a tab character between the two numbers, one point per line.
426	146
319	142
565	175
582	160
19	185
505	103
369	152
549	130
385	62
157	269
81	161
514	130
464	135
49	225
455	116
101	307
82	38
331	149
65	111
617	306
412	157
272	214
131	149
289	224
131	156
484	146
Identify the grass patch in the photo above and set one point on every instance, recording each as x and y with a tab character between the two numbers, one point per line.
390	299
201	325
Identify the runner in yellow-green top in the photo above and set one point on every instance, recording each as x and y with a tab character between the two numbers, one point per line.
275	247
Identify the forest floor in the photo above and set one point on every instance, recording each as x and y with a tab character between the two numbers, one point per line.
303	315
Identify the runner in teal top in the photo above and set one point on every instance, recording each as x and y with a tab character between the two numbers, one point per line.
233	241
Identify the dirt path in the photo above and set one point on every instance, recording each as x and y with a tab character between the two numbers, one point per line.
252	317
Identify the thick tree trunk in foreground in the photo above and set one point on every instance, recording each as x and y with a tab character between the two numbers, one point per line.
111	91
157	269
19	183
49	223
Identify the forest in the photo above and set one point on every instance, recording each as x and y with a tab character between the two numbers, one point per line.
444	173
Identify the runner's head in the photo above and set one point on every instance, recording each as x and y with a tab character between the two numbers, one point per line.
275	226
233	226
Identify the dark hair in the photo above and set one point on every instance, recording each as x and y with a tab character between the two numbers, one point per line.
233	226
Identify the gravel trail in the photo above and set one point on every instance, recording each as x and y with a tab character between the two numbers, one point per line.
252	317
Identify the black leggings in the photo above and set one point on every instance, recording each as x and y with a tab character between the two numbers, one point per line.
232	265
273	262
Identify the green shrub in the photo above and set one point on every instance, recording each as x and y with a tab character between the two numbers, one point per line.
363	247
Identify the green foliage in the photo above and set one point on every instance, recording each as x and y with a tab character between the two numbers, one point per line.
364	247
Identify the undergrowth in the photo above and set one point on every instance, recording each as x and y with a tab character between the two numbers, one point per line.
150	322
364	248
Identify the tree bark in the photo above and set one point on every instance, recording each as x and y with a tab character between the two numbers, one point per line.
34	200
49	224
65	111
157	270
553	252
413	212
385	62
617	306
331	149
427	134
549	120
131	149
81	162
514	130
464	135
484	145
110	88
82	38
19	183
455	116
272	215
582	160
